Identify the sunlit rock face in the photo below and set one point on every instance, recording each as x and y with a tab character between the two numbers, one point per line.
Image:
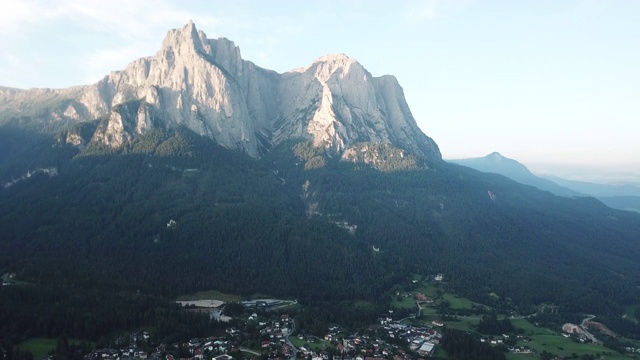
205	85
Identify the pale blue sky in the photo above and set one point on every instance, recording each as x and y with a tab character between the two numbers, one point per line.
553	84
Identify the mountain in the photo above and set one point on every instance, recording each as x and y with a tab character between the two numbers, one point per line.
598	190
617	196
195	170
205	85
630	203
496	163
622	197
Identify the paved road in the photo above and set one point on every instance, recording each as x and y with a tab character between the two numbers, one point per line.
249	351
584	328
294	351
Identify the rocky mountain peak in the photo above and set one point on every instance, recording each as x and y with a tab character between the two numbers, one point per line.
332	57
189	43
186	37
204	85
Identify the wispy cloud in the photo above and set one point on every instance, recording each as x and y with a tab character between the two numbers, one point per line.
13	67
19	17
127	19
94	37
426	10
110	33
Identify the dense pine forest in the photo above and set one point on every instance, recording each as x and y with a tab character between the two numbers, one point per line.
107	240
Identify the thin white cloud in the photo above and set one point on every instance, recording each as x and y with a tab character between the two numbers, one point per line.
99	63
427	10
13	68
127	19
132	20
18	17
105	35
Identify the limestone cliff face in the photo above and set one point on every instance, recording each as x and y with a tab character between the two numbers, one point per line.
338	103
206	86
125	122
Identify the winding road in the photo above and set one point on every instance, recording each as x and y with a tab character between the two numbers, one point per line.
583	326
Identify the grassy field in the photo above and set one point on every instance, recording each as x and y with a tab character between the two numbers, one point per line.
315	346
40	347
430	291
457	302
429	311
465	324
404	303
529	328
544	339
559	345
210	295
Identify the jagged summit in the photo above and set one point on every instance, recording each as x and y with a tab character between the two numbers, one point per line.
332	57
205	85
498	164
492	163
497	158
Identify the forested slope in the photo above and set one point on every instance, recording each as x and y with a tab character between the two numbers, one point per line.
281	225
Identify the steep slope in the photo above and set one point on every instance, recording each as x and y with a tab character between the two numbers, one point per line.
622	197
274	226
205	85
630	203
598	190
617	196
496	163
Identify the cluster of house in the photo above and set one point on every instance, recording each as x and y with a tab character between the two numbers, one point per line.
423	299
9	279
387	340
372	345
275	334
198	349
499	340
127	347
421	339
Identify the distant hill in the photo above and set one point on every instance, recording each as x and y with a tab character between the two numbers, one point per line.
496	163
622	197
598	190
617	196
630	203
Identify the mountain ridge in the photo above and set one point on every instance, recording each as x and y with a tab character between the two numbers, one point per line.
622	197
496	163
205	85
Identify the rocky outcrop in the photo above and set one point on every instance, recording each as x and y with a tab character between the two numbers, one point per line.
125	122
205	85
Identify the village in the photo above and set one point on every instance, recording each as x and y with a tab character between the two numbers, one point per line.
413	327
275	338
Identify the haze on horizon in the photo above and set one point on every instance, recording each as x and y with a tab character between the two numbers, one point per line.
553	85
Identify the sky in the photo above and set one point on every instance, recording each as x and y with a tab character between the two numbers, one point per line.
552	84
